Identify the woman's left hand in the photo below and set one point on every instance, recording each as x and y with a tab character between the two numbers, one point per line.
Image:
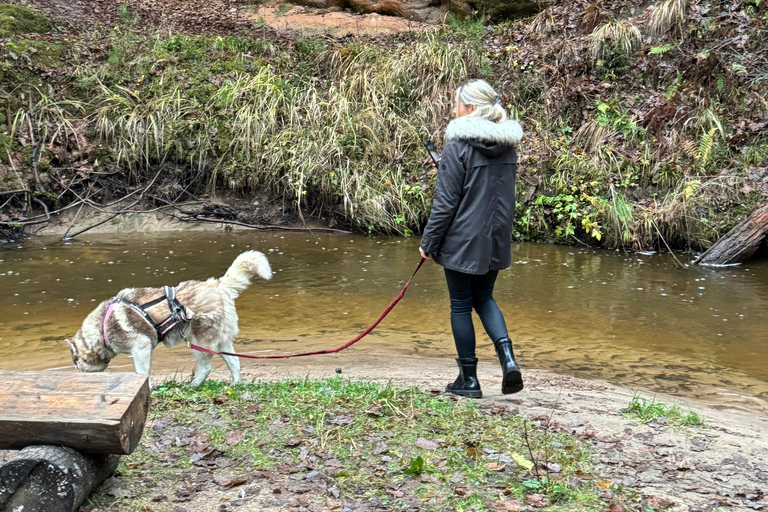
425	255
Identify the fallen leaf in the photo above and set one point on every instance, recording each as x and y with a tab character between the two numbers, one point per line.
426	444
342	421
603	484
615	507
234	438
522	461
375	411
495	466
535	500
660	503
232	482
508	506
292	441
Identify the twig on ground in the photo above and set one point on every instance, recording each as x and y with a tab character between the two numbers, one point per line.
530	451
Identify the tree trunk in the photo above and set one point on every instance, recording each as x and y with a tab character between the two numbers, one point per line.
52	478
740	243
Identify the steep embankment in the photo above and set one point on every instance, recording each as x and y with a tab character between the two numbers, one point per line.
645	126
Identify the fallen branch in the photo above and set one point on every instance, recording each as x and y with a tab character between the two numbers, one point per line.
265	227
124	210
30	195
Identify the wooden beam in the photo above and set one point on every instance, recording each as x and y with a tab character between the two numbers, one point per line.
90	412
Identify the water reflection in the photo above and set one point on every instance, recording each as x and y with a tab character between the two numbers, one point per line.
637	320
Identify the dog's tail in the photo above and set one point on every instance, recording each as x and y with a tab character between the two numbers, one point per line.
245	266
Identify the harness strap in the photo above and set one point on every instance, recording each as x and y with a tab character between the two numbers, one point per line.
175	308
134	307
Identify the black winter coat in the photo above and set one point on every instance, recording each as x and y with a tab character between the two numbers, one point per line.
470	225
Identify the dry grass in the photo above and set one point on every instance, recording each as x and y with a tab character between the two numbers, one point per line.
623	35
666	18
354	142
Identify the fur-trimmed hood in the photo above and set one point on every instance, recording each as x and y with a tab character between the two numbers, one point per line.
508	133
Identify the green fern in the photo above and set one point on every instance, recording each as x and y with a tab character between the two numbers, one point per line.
720	83
706	144
658	50
739	69
672	89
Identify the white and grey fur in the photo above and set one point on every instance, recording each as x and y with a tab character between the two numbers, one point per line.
210	305
509	133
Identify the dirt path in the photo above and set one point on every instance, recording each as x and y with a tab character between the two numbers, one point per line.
722	465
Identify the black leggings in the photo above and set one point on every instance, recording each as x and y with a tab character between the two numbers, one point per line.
469	291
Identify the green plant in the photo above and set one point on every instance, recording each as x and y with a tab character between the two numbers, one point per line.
645	411
674	86
659	50
127	15
610	115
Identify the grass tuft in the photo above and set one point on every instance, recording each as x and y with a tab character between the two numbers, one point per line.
644	411
666	18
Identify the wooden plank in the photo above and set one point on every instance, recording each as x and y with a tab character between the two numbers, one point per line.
92	413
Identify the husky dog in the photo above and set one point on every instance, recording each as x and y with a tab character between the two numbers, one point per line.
199	312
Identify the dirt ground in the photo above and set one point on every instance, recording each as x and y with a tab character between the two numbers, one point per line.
311	21
722	465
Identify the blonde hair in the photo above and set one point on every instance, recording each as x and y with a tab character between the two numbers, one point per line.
487	103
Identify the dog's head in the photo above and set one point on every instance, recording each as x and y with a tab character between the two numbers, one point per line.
85	359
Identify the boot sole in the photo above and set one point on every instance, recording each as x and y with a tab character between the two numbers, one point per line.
466	394
512	383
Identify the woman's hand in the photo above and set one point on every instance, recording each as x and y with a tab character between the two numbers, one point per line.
425	255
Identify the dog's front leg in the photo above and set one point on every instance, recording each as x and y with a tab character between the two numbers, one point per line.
203	367
142	358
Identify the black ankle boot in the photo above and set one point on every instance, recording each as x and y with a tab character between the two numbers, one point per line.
512	379
466	384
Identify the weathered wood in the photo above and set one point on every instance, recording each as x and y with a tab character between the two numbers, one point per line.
740	243
52	478
92	413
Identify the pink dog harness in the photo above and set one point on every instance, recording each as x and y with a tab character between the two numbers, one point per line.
177	316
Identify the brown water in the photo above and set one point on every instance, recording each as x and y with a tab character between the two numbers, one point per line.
639	321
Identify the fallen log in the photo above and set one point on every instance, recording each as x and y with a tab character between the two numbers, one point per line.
92	413
740	243
52	478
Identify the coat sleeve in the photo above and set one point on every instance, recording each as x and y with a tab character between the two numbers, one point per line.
448	193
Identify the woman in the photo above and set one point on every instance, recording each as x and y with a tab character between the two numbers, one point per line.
470	226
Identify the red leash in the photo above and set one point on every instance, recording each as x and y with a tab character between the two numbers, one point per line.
328	351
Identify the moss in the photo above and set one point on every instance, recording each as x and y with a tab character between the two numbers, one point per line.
7	144
15	19
42	53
